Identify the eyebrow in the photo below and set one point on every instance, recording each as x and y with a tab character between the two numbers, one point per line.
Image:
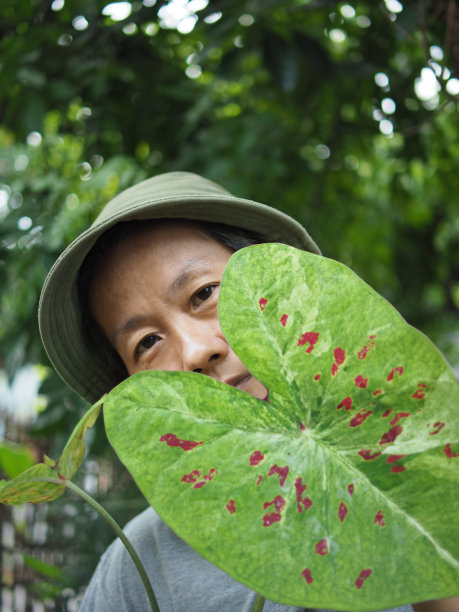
191	270
131	323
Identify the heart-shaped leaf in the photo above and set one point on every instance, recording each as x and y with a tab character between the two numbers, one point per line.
339	492
30	486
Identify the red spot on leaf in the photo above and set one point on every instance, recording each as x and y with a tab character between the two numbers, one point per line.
273	517
398	416
339	355
231	507
206	478
366	454
387	413
256	457
350	489
283	319
379	519
397	468
398	370
282	472
391	435
306	573
172	440
302	426
360	381
270	518
342	511
310	338
394	458
262	302
260	478
317	377
367	348
278	502
439	426
420	393
346	403
301	503
359	418
364	574
377	392
322	547
191	477
448	451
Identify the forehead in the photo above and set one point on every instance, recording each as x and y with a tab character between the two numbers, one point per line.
169	243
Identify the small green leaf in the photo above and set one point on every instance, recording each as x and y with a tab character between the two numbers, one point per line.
73	452
48	461
345	481
29	486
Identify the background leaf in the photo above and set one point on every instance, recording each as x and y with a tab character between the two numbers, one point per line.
15	458
345	481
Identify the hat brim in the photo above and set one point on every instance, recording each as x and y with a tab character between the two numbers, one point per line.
59	310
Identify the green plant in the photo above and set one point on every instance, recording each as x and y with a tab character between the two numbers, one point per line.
47	481
344	481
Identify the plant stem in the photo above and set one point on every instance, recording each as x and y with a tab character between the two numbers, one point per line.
259	603
119	532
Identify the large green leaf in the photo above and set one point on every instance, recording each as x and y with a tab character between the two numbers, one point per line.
30	486
341	491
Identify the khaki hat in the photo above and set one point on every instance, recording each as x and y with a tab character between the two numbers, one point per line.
181	195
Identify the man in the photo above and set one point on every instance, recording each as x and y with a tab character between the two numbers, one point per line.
139	290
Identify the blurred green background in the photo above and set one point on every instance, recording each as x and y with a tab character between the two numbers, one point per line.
344	115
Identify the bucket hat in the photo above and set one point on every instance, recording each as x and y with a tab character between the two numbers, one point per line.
181	195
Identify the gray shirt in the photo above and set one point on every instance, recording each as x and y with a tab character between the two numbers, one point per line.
183	581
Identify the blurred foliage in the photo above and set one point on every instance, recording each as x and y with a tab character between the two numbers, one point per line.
313	107
15	458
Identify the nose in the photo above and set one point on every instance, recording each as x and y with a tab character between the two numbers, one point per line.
203	348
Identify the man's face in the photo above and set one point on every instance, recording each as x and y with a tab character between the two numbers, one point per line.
155	297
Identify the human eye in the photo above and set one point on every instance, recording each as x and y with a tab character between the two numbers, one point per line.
202	295
146	343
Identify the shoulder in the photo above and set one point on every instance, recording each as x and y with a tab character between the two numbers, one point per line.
114	582
182	580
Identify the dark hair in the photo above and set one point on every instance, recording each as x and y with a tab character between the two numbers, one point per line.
234	238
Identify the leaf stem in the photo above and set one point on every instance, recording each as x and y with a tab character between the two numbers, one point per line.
119	532
259	603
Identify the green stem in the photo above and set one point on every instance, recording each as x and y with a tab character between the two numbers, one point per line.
119	532
259	603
